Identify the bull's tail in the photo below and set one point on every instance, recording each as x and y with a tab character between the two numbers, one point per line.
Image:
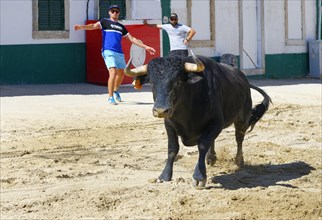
259	110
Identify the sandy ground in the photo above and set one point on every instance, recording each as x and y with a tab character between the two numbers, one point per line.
67	154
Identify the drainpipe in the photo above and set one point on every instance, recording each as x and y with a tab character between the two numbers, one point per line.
166	10
87	9
318	18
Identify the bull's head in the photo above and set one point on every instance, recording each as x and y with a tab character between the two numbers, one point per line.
166	76
143	70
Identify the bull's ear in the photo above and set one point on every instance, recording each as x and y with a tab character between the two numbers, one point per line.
193	78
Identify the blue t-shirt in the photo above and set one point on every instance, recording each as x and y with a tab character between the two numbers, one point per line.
112	33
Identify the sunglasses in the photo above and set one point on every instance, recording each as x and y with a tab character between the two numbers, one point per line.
115	11
173	19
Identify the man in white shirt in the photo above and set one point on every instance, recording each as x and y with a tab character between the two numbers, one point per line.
179	35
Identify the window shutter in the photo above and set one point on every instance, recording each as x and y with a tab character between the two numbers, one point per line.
105	4
51	15
43	15
57	14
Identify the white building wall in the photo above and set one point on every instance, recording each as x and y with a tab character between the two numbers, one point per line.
180	8
201	20
16	23
146	9
227	28
274	24
78	16
310	17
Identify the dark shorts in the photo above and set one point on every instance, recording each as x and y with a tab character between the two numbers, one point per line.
178	53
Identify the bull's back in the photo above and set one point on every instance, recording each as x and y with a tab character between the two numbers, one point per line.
218	99
229	92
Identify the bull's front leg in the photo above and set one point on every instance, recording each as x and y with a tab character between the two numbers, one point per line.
173	149
199	178
206	143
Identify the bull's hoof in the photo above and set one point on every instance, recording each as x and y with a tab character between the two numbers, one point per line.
211	160
199	184
239	162
164	179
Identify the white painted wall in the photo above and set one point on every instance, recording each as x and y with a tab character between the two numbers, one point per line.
227	27
78	16
16	23
275	27
200	19
200	14
294	22
180	7
139	9
310	17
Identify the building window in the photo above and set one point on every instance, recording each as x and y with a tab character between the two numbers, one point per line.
295	22
50	19
51	15
105	4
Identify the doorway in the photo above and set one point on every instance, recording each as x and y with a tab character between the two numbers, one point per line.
251	37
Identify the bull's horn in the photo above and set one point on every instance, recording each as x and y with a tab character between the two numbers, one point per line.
194	67
139	71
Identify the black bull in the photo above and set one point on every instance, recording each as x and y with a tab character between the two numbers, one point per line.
197	101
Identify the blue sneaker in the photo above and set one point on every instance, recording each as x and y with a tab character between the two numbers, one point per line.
111	101
117	96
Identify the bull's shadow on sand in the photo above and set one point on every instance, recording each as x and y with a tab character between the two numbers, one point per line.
263	176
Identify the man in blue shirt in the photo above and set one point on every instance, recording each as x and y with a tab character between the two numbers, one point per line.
112	34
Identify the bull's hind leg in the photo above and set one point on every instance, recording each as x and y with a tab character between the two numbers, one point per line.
211	155
240	131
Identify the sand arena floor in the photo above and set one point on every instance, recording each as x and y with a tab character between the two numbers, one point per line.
67	154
